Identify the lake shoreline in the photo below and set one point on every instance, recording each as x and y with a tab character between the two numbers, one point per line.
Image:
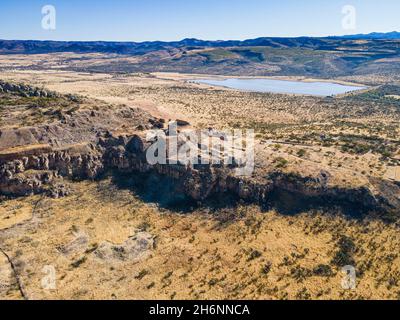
197	76
280	86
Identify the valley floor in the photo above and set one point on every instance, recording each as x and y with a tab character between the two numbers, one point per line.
232	253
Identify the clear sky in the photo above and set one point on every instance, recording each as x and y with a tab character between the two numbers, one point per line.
142	20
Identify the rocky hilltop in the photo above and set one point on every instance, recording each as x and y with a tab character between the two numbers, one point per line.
41	169
26	90
88	143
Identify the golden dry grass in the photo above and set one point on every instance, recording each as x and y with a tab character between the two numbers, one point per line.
239	253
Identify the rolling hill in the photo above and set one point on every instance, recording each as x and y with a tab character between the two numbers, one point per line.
375	53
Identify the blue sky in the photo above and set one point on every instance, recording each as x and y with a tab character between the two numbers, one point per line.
142	20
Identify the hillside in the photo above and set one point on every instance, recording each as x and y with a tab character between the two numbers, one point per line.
360	55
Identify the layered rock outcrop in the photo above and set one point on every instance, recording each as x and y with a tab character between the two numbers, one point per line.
89	142
26	90
40	169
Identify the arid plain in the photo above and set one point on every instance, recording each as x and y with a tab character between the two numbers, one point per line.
289	250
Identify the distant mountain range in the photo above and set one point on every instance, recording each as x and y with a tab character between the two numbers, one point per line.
394	35
138	48
324	57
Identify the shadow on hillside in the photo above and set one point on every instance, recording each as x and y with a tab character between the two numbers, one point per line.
291	204
167	193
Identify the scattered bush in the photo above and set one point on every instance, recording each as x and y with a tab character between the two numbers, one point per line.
344	255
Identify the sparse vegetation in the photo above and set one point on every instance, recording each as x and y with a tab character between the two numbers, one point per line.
344	255
281	162
234	250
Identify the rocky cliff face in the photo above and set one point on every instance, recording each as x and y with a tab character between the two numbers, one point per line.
25	90
87	142
35	171
41	169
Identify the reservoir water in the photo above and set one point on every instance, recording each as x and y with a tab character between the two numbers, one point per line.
318	88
